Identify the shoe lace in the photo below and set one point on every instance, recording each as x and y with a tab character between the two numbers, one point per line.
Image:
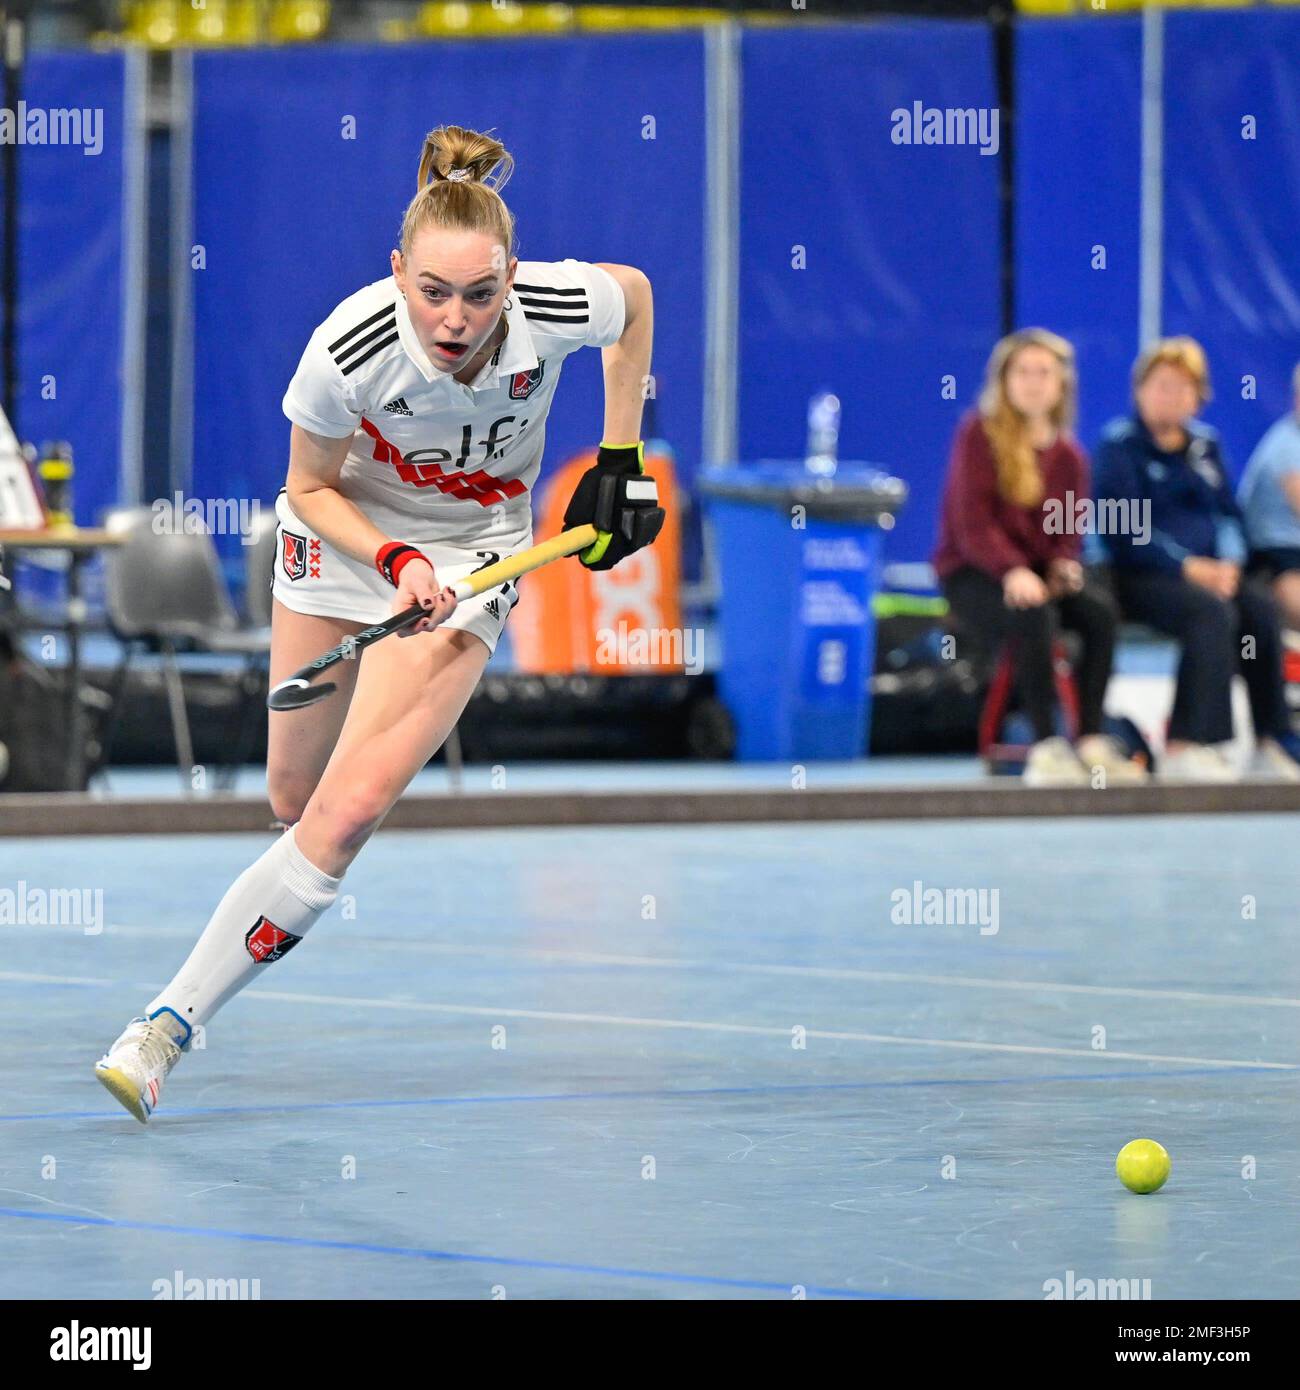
158	1048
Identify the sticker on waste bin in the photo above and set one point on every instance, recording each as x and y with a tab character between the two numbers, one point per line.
832	658
834	619
837	553
827	603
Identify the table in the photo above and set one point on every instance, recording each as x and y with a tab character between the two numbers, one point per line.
79	544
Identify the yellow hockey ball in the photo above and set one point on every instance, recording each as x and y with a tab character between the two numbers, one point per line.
1142	1165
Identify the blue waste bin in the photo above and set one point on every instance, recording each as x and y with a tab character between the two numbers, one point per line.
799	558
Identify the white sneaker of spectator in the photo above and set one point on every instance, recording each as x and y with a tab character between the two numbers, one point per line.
1271	761
1101	751
1197	762
1052	762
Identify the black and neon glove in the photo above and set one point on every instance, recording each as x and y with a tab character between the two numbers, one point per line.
618	498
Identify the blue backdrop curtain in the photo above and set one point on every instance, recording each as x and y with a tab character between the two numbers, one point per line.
1078	198
71	274
899	283
1232	210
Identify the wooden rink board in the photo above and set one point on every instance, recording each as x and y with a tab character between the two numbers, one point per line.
76	814
74	538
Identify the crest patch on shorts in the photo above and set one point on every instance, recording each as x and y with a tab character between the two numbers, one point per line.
294	556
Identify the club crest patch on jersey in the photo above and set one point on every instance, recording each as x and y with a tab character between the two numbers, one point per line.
523	384
294	557
266	942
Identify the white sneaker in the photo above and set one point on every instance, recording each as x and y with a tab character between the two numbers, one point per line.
1101	751
1052	762
138	1062
1198	762
1272	762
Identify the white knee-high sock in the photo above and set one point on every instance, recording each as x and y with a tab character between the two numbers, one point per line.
266	911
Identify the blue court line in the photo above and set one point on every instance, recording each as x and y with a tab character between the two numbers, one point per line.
451	1256
549	1097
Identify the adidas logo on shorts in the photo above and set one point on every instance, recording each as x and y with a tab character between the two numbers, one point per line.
399	407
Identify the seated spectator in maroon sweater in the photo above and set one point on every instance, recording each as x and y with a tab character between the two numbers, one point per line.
1008	552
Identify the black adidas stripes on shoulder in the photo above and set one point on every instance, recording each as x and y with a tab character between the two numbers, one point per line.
549	304
351	350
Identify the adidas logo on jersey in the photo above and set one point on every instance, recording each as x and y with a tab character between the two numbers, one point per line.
399	407
493	607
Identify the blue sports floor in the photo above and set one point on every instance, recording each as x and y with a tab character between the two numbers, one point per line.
645	1126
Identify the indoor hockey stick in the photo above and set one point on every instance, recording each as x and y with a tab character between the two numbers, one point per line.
298	691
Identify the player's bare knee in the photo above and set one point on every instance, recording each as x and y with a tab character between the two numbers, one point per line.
288	797
351	819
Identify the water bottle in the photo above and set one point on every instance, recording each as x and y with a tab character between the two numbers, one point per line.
823	434
55	471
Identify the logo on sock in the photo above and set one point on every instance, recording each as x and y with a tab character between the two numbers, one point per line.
267	942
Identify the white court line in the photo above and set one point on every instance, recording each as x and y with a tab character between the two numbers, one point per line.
825	972
26	977
750	1029
753	1030
836	973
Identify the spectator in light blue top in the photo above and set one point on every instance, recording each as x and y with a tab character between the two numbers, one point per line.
1269	496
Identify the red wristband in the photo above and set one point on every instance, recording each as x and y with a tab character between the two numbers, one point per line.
393	558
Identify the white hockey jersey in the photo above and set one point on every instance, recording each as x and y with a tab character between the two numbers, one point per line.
429	454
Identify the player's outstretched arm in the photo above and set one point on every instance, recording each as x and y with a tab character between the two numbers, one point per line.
614	495
627	362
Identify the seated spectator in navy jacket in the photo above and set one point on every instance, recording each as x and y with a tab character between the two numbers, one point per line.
1269	497
1007	572
1179	567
